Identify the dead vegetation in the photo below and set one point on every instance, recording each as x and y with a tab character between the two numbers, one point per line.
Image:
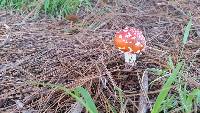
49	50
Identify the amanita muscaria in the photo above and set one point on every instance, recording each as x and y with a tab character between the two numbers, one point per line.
131	42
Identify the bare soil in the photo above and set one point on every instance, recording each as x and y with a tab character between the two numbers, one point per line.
82	53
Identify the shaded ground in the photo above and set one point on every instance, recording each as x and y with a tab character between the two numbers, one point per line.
49	50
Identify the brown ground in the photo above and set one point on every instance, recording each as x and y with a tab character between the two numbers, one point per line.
49	50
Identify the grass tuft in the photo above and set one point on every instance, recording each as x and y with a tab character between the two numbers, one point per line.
165	89
185	98
55	8
187	31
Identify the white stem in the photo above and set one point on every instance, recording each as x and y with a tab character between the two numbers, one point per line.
130	57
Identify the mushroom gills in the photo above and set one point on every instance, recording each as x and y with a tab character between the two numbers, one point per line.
130	57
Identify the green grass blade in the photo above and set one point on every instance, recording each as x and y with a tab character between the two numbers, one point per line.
187	105
121	98
187	31
159	72
193	94
46	6
165	89
168	103
88	99
3	3
188	99
170	63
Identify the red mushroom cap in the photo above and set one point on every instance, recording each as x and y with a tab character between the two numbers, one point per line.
130	40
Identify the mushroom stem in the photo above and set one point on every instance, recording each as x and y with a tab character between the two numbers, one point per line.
130	58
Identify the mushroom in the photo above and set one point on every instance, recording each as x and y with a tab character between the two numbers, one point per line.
131	42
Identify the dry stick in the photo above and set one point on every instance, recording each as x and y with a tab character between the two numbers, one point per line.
109	74
144	90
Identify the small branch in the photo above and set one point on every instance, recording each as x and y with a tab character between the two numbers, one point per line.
144	90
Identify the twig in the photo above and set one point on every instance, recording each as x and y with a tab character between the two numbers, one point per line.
144	90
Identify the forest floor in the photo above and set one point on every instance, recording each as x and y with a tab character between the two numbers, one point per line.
82	53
